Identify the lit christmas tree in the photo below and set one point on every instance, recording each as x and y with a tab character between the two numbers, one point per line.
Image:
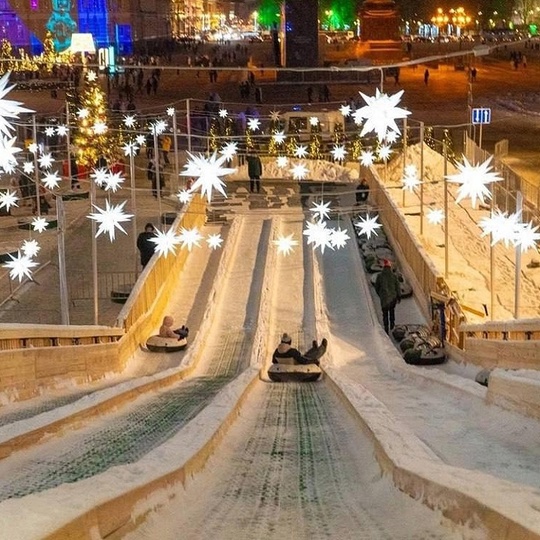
428	137
356	146
214	135
249	140
92	137
338	135
315	140
449	144
7	62
49	54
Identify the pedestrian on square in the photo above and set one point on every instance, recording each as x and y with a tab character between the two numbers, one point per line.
426	77
388	289
145	246
362	191
254	172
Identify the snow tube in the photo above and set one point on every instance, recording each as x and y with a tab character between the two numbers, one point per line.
294	373
164	344
420	356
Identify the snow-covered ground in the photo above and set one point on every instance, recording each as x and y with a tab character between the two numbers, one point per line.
295	464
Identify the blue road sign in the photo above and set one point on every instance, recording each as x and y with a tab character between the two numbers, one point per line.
481	116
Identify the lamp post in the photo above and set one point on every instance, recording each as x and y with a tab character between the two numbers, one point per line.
439	20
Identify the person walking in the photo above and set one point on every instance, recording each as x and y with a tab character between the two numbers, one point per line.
144	245
254	172
426	77
362	191
388	289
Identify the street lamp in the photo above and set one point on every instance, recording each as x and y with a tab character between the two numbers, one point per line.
440	20
460	19
255	21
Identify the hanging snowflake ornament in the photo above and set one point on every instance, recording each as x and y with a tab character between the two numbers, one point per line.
229	150
501	226
279	137
526	236
367	158
190	238
51	180
7	154
435	216
384	151
299	171
30	248
275	116
100	127
282	161
46	160
49	131
380	113
473	180
62	130
321	210
8	109
345	110
214	241
339	152
301	151
28	167
113	181
319	235
99	176
208	172
8	199
339	238
410	181
367	225
20	266
129	121
166	242
110	219
39	224
254	124
130	149
223	113
285	244
184	196
171	111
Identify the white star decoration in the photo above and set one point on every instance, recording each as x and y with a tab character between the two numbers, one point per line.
91	76
20	266
28	167
299	171
129	121
112	181
130	149
367	158
49	131
208	172
8	108
45	160
253	124
184	196
39	224
30	248
367	225
110	219
279	137
99	176
190	237
171	111
282	161
526	236
339	152
345	110
214	241
473	180
8	199
410	180
83	113
223	113
33	148
384	152
7	153
141	140
313	121
166	242
319	235
229	150
381	113
285	244
275	116
62	130
301	151
435	216
51	180
501	226
320	210
339	238
100	128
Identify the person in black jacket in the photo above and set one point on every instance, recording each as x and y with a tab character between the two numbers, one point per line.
389	290
146	247
254	172
286	350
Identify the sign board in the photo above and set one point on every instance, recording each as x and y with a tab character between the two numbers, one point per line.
481	116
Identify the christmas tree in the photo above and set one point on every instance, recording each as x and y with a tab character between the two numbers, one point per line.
48	54
92	138
7	60
214	135
449	145
356	146
315	140
428	137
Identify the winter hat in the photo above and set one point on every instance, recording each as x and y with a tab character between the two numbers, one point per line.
386	262
285	338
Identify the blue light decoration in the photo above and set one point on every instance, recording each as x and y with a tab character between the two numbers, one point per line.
124	41
12	27
94	19
61	25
